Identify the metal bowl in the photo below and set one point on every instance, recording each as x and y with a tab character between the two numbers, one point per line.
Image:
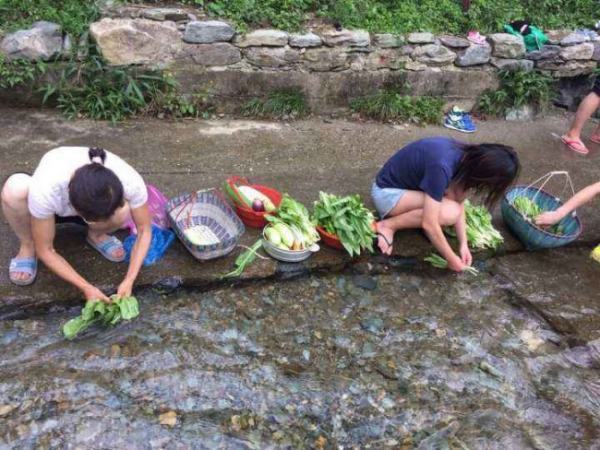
288	255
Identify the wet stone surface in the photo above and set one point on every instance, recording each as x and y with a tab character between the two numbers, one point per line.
392	361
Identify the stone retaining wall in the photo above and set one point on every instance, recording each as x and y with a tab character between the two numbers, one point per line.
331	66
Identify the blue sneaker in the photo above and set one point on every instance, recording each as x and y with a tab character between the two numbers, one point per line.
459	120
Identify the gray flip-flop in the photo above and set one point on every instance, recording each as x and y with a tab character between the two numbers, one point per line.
106	247
23	265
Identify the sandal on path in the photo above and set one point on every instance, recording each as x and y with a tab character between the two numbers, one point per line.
23	265
575	144
107	247
595	138
388	243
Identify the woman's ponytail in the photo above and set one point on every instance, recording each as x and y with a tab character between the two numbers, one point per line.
97	155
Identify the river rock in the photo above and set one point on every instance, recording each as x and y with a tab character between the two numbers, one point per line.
546	52
218	54
506	45
562	69
162	14
385	58
388	40
350	38
415	66
207	32
555	36
326	59
305	40
268	38
136	41
596	55
513	64
455	42
574	39
474	55
421	38
433	55
583	52
44	40
271	57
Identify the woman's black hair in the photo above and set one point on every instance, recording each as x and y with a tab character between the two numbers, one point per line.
487	168
95	191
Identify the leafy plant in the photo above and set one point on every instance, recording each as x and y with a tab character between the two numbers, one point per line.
73	15
170	103
390	105
95	90
480	230
95	311
348	219
440	263
517	88
15	72
282	102
244	260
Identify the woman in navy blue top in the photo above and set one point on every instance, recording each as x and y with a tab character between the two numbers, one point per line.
425	184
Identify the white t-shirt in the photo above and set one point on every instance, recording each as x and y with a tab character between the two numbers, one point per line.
49	189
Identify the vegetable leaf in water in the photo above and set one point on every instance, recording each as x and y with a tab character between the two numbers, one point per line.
437	261
348	219
95	311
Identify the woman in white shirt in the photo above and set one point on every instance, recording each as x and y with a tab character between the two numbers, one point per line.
76	182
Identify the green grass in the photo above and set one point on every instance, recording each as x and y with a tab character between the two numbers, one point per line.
15	72
280	103
517	88
73	15
390	105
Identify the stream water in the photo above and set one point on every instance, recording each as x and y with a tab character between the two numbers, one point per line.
351	361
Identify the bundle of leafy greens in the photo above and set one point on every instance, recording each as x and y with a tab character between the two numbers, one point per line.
243	260
95	311
530	210
348	219
481	233
437	261
295	215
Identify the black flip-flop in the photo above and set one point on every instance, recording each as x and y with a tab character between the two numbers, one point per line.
389	244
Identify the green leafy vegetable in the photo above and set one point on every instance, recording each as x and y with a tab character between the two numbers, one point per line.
347	218
295	215
243	260
481	233
95	311
437	261
530	210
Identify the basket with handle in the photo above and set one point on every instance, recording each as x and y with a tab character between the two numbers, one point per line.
208	212
529	233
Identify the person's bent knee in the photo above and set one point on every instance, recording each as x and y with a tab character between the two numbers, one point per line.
16	188
450	212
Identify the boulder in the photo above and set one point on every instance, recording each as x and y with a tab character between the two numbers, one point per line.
567	69
433	55
305	40
326	59
506	45
547	52
513	64
271	57
44	40
596	55
555	36
583	52
218	54
350	38
385	58
474	55
388	40
207	32
268	38
136	41
162	14
574	39
421	38
414	66
455	42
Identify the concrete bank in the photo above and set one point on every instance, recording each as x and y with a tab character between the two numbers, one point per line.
301	158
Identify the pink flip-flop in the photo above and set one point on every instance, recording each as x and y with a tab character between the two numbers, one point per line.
575	144
595	139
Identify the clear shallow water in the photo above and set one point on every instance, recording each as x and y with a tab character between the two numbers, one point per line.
395	361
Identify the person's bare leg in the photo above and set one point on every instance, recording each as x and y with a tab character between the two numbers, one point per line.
16	212
99	231
408	214
586	109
